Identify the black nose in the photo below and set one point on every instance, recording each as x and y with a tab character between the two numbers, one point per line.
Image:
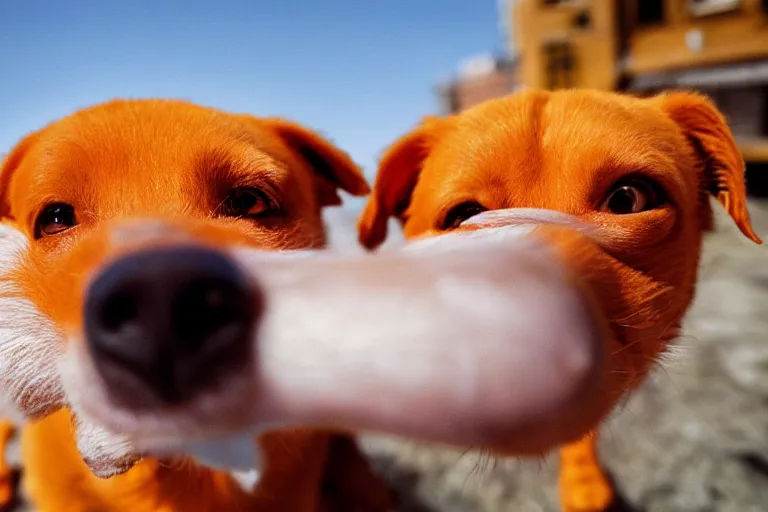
165	324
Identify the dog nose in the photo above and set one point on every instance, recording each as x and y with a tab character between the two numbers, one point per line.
163	325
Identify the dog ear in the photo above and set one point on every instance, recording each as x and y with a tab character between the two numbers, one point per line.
335	169
722	164
398	173
9	164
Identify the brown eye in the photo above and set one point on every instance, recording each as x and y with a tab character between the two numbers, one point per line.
247	202
460	213
633	196
54	219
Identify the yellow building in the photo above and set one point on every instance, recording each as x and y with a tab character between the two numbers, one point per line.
719	47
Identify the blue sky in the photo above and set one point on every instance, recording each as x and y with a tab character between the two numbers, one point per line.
362	71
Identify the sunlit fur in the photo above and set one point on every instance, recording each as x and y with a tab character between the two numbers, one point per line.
564	151
141	173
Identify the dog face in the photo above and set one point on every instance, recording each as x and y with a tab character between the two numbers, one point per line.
126	201
638	171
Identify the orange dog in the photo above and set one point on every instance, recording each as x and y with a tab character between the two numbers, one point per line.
640	171
109	184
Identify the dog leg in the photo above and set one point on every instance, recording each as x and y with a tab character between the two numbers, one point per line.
350	483
292	473
7	485
584	487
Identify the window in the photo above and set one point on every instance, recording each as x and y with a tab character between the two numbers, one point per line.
650	12
764	115
708	7
582	20
552	3
560	65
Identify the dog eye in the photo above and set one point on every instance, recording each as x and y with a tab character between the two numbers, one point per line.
247	202
633	196
54	219
460	213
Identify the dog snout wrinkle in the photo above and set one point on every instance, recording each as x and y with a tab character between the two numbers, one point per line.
162	325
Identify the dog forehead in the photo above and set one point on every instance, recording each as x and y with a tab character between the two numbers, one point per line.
164	128
125	146
484	144
575	118
521	127
530	147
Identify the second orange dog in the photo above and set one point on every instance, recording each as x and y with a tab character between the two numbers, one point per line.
638	171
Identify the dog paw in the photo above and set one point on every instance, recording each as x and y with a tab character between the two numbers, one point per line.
9	489
6	492
589	501
592	493
336	504
350	483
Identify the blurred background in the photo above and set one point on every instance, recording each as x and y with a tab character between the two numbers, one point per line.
695	438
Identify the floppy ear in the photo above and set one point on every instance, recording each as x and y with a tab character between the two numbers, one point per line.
334	168
397	176
722	164
10	163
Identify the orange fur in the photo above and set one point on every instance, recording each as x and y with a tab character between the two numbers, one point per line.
168	162
566	151
7	496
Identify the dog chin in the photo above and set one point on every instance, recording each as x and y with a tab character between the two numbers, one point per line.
30	344
216	412
105	453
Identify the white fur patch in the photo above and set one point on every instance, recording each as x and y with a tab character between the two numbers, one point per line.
106	453
31	355
523	216
30	344
469	241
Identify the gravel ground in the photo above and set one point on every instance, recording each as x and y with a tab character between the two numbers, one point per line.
693	439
